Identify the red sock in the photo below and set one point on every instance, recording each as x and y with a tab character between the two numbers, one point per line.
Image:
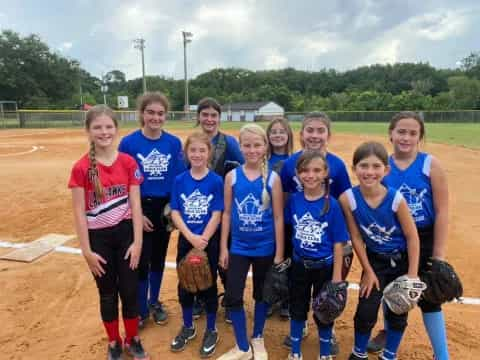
112	331
131	328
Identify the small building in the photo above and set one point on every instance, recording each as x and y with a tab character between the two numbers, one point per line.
251	111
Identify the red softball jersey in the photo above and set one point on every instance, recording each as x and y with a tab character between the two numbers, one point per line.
116	180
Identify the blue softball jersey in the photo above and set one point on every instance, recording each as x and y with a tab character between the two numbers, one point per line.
339	180
197	199
275	159
252	228
379	227
159	160
415	185
314	234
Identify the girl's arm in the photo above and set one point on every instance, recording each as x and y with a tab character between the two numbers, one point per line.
277	204
369	278
411	234
94	261
135	250
212	225
227	198
438	179
337	262
196	240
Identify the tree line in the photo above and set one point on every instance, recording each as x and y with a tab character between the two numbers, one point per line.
37	77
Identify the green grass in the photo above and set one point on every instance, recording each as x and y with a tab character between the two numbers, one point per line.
461	134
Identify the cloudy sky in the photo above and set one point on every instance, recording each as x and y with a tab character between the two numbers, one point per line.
252	34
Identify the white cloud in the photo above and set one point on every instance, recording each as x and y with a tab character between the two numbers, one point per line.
441	24
275	60
65	46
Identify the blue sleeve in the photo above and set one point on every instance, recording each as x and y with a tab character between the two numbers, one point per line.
233	152
342	181
287	215
174	205
286	177
338	231
180	165
217	204
123	146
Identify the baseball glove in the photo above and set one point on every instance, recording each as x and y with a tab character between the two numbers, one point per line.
402	294
275	288
194	273
443	283
347	260
330	301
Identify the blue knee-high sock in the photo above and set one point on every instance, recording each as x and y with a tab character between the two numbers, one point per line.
240	328
211	321
142	298
393	342
187	313
325	337
296	333
259	317
155	280
435	325
361	341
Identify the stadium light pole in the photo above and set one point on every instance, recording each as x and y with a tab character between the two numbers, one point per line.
140	44
187	38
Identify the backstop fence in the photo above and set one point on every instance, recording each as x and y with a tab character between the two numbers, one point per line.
76	118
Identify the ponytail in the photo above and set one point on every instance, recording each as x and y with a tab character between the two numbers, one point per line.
265	194
93	175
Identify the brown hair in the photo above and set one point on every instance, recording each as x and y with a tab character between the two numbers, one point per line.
149	98
303	161
92	114
408	115
200	137
287	127
206	103
315	115
370	148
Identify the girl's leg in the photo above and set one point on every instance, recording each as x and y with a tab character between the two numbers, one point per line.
435	325
236	276
318	278
101	243
260	267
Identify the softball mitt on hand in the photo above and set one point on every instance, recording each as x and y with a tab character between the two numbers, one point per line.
194	272
275	288
347	260
330	301
443	283
402	294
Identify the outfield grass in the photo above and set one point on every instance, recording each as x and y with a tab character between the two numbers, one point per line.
461	134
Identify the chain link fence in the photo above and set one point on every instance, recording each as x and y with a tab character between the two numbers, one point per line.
76	118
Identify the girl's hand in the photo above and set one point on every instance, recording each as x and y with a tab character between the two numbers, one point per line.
199	241
94	262
147	225
133	252
368	282
223	259
277	260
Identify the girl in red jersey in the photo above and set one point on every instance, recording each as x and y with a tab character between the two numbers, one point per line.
108	220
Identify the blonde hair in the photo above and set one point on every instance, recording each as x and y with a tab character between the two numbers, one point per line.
258	130
93	176
201	137
288	129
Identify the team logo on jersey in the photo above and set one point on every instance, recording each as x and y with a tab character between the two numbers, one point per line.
250	213
378	233
414	198
155	163
196	206
308	230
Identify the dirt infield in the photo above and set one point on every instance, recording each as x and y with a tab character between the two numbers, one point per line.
49	308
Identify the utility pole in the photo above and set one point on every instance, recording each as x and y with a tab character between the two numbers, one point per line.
140	44
187	38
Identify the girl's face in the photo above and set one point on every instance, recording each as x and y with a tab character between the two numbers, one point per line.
315	135
313	174
370	171
102	131
209	120
154	116
198	154
278	136
405	136
253	147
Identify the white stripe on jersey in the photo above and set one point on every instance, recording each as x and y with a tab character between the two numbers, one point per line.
109	218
